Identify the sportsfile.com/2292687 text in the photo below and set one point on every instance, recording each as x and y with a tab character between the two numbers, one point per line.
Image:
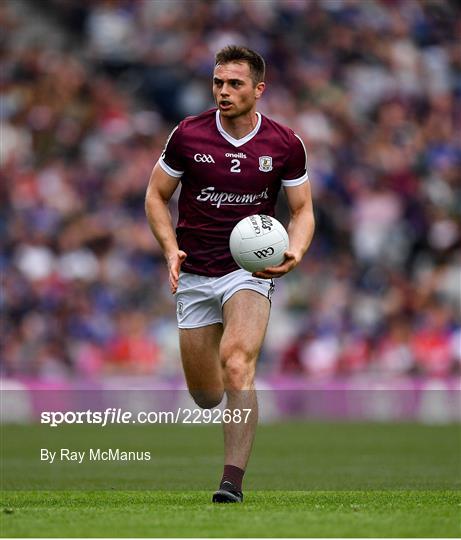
113	415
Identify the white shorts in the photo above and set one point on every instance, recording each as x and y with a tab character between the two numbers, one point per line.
199	299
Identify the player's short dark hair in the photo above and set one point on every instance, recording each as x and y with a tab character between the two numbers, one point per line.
237	53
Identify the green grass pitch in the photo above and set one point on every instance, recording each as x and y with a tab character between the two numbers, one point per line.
304	479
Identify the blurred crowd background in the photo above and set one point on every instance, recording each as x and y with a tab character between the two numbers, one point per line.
89	94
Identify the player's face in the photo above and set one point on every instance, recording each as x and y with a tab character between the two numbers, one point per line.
234	90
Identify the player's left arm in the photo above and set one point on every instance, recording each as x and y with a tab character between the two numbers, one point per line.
300	230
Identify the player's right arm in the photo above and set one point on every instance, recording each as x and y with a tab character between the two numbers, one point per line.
159	192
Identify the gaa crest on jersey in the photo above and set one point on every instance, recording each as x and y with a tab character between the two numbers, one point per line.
265	163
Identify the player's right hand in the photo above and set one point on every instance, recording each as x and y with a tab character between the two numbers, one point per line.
174	265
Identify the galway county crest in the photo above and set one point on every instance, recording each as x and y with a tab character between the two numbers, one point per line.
265	163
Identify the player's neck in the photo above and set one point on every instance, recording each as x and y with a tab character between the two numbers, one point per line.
239	127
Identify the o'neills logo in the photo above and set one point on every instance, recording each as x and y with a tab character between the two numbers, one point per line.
240	155
224	198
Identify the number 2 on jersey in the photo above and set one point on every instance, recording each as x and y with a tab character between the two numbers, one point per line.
235	166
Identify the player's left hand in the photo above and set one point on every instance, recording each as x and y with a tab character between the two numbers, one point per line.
291	260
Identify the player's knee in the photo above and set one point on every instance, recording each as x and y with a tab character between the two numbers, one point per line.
207	400
238	367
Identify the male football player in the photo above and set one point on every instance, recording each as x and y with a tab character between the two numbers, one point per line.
231	162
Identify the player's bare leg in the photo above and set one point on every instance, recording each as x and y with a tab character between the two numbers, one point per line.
246	315
200	360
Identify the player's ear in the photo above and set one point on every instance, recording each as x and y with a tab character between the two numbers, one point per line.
259	89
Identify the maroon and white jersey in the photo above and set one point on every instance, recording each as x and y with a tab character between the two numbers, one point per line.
224	180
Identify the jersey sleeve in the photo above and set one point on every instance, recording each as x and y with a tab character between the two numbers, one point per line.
295	170
171	159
